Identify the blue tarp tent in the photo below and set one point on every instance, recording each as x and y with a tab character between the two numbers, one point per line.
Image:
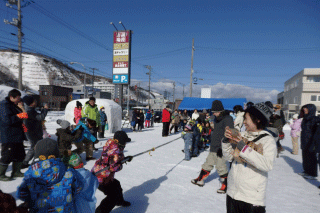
206	103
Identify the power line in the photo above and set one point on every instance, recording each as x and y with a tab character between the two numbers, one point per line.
65	24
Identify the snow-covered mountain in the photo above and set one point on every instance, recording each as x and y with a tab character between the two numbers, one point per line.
37	70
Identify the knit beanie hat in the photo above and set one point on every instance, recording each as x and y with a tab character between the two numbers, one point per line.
63	123
73	161
295	116
28	99
217	106
188	127
122	137
46	147
79	104
260	111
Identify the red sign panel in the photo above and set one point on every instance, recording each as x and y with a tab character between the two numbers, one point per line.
121	37
121	64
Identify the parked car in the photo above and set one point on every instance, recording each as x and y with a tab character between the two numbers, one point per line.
157	116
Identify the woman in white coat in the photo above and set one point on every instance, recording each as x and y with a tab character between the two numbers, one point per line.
239	112
247	179
195	115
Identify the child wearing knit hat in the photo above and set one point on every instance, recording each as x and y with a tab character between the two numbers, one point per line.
85	201
187	136
48	185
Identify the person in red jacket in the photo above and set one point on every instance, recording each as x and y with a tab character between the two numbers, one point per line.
166	115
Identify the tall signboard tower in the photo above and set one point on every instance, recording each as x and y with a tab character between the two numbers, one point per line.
121	63
121	57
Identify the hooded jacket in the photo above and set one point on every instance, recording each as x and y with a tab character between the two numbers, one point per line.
77	115
11	130
148	115
238	122
85	133
85	201
65	138
48	186
165	115
308	126
110	156
295	127
247	182
220	124
91	112
34	123
103	117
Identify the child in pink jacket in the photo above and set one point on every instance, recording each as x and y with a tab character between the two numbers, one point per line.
77	112
295	133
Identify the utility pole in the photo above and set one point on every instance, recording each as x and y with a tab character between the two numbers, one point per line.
18	23
93	69
85	78
191	68
149	73
183	91
174	89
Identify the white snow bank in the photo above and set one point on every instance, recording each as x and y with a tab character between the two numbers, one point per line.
112	110
4	90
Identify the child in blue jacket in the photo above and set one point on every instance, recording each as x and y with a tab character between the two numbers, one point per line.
48	185
85	201
187	136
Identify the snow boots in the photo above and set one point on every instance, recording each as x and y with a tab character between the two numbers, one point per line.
200	180
124	203
3	169
223	189
16	166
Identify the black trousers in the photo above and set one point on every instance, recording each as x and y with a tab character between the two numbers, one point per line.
101	132
175	128
309	162
12	152
236	206
165	128
114	194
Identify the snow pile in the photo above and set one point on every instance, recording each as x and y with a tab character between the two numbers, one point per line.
112	110
4	90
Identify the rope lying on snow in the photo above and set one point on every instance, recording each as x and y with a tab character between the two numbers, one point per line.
129	158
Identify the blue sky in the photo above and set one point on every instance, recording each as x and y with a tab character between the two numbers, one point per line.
255	44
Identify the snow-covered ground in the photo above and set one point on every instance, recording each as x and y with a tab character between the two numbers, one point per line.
160	181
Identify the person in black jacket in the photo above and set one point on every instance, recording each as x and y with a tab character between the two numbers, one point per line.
222	120
12	134
34	126
308	129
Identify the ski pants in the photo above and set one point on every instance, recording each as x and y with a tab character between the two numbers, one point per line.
114	194
309	162
237	206
220	164
147	123
101	131
12	152
165	129
86	146
30	153
195	144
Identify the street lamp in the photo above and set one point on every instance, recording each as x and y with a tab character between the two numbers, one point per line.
85	76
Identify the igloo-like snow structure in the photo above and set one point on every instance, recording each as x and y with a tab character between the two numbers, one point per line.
112	110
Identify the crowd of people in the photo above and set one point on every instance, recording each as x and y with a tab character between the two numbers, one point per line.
243	146
56	180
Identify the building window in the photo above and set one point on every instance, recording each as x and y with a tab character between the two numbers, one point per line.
319	98
44	93
313	98
79	90
312	79
295	100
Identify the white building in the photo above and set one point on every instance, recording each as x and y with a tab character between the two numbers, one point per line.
303	88
105	87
